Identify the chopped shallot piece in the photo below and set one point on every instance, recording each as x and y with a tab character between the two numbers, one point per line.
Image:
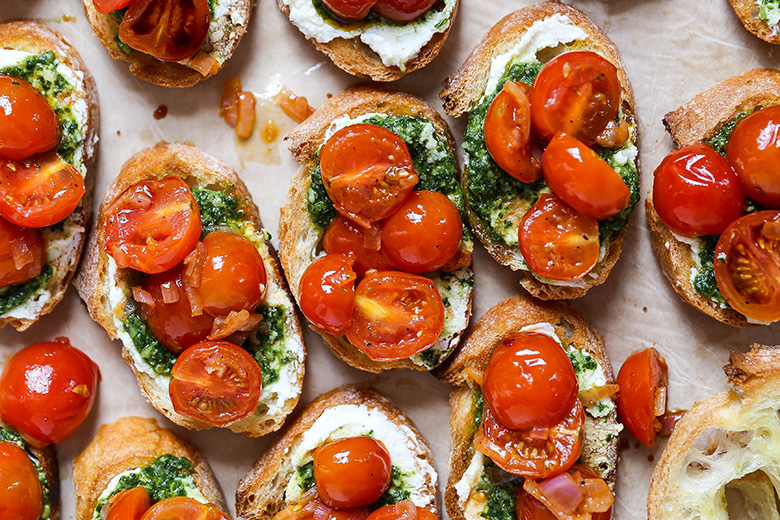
204	63
474	375
669	420
242	321
570	496
598	496
596	394
228	106
296	107
660	401
246	114
563	492
194	265
170	292
372	238
142	296
21	253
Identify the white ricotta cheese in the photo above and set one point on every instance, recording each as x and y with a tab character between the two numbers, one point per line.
468	482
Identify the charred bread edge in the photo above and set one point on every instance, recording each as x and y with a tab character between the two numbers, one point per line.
295	227
748	13
182	160
261	492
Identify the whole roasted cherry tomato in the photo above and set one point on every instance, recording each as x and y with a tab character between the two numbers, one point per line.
402	11
577	93
350	10
39	191
582	179
556	241
696	192
754	151
396	315
107	6
21	496
352	472
311	507
403	510
28	124
747	265
22	255
424	234
183	508
153	225
579	491
169	30
642	398
508	132
529	382
367	172
347	238
216	382
47	390
130	504
326	293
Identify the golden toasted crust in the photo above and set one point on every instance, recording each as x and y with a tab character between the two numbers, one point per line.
35	37
93	284
261	493
48	458
748	13
132	443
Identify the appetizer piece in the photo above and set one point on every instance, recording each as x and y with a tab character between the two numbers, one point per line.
29	479
533	423
551	171
133	466
383	274
172	43
761	17
48	133
350	454
180	270
382	40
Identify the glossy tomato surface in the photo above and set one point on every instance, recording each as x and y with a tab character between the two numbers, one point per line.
582	179
402	11
326	293
396	315
754	151
403	510
130	504
216	382
367	172
642	380
22	253
696	192
153	225
352	472
183	508
21	496
347	238
527	507
47	390
107	6
28	124
423	234
350	10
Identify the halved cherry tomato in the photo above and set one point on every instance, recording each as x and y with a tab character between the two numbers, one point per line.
352	472
582	179
556	241
107	6
350	10
310	507
39	191
169	30
577	93
47	390
529	382
696	192
130	504
642	398
28	124
747	265
367	172
396	315
754	151
215	382
21	496
346	238
403	510
183	508
22	255
535	452
153	225
508	132
402	11
572	498
326	293
424	233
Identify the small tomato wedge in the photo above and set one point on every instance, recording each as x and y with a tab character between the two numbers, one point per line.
556	241
183	508
642	398
579	493
754	151
28	124
326	293
402	11
403	510
216	382
347	238
396	315
21	496
107	6
22	253
130	504
582	179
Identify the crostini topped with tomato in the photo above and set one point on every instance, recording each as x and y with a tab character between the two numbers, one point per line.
29	487
551	172
372	239
180	270
760	17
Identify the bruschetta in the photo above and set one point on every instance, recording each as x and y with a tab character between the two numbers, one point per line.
30	487
760	17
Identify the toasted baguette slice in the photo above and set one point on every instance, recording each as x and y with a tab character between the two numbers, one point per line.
724	441
225	31
106	289
267	488
600	446
749	14
64	242
698	120
128	444
299	237
464	90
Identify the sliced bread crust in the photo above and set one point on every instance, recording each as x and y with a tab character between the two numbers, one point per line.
748	13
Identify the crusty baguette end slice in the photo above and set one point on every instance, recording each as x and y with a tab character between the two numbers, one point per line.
747	11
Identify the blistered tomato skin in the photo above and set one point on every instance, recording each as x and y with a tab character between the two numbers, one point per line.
183	508
130	504
21	496
642	376
403	510
754	151
22	253
28	124
326	293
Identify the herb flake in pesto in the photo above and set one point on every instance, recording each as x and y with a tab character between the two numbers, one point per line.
499	488
218	208
396	492
704	281
306	476
159	358
270	352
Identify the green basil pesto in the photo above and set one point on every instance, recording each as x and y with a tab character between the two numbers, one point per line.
15	295
769	11
499	488
704	280
270	352
305	476
218	208
8	435
159	358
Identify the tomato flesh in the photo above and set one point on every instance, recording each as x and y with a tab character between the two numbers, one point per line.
47	390
22	253
642	380
28	124
352	472
183	508
403	510
402	11
346	238
130	504
326	293
21	496
107	6
754	151
527	507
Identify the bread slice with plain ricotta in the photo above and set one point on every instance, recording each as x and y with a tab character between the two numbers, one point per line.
132	443
229	24
299	237
65	241
106	289
465	88
520	313
347	411
748	12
